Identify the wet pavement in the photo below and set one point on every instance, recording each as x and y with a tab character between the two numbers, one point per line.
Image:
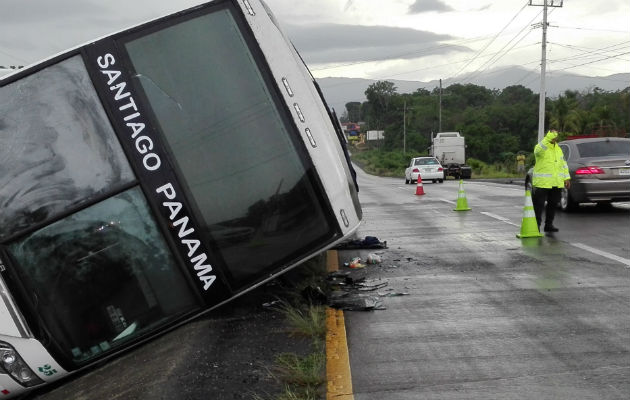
481	314
459	309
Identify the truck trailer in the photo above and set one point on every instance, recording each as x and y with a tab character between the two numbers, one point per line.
450	149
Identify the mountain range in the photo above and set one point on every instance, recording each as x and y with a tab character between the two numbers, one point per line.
339	91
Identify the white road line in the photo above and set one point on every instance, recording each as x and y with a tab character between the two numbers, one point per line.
603	253
519	188
447	201
624	205
500	218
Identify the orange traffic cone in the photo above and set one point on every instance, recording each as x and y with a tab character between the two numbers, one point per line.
419	188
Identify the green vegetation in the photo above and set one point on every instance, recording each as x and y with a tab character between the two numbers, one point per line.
393	164
497	124
303	376
383	163
307	320
505	169
302	372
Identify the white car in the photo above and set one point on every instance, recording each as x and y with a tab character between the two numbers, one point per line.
428	168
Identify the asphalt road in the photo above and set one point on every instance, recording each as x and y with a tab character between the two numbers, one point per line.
485	315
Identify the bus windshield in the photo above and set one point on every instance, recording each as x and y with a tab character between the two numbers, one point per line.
101	276
247	177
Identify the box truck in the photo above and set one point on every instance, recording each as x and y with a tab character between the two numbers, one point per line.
450	149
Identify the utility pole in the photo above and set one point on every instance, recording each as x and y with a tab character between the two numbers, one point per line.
440	112
543	64
405	128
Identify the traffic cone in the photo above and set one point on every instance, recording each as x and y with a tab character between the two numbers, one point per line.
529	226
462	203
419	188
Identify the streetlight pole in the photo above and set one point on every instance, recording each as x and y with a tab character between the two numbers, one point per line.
543	64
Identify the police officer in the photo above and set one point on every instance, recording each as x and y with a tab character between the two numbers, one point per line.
550	175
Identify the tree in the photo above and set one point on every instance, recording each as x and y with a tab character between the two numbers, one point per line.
496	123
560	110
379	95
602	123
577	121
516	94
354	111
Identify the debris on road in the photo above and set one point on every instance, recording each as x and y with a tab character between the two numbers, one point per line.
369	242
374	258
355	263
352	302
392	294
350	289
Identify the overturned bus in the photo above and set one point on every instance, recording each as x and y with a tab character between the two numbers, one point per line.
153	175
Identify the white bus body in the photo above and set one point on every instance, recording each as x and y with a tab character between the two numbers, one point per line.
153	175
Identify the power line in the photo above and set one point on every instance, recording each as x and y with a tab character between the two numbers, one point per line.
527	75
592	29
591	62
580	57
493	60
489	43
587	51
453	62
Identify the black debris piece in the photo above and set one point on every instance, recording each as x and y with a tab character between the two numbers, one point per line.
343	300
369	242
370	286
348	291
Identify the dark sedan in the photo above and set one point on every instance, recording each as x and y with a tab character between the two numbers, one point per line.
599	168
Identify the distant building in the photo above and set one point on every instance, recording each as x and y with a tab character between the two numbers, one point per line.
352	130
375	135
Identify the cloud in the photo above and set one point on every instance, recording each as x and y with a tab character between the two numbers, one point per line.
18	12
35	29
422	6
331	43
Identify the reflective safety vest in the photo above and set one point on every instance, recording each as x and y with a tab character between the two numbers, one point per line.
551	170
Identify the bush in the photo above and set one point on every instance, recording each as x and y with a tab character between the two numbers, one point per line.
384	163
476	165
394	163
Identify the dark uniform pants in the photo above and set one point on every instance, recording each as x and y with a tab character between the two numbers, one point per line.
552	197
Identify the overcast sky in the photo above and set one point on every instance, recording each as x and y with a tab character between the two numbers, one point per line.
377	39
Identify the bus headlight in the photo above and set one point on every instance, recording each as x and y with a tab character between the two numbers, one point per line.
11	363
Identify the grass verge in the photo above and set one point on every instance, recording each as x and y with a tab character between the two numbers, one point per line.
303	376
393	164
